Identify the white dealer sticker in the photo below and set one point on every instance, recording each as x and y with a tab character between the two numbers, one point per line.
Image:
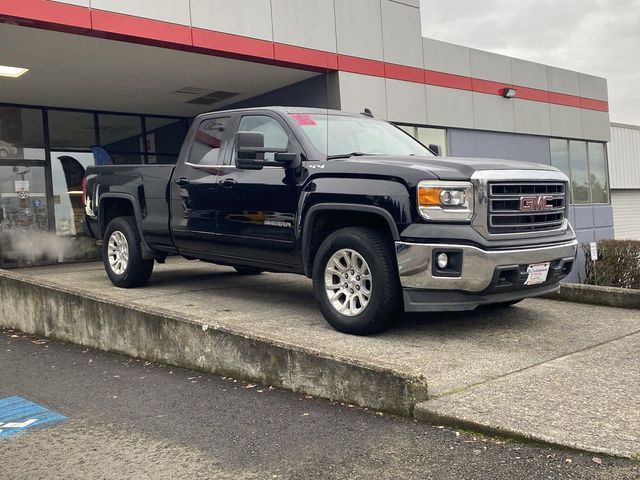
537	273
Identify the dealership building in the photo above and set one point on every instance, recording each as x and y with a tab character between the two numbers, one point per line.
128	75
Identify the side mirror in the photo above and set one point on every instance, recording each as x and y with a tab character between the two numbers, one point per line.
437	149
250	152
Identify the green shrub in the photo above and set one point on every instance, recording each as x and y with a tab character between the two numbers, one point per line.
618	264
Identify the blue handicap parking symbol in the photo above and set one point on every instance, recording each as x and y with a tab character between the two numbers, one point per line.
18	414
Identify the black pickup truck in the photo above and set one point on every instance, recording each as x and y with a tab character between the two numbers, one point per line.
375	218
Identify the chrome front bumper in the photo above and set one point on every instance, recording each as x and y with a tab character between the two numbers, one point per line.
478	265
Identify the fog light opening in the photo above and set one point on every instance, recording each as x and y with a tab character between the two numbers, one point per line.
443	261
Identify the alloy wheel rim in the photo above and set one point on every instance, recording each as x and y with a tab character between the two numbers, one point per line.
348	282
118	252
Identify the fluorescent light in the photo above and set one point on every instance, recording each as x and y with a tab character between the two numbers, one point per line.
12	72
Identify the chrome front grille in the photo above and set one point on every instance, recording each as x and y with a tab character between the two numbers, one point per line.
506	214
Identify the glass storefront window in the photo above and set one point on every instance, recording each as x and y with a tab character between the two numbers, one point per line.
21	134
75	130
23	216
579	172
121	133
560	155
67	171
164	135
428	136
598	173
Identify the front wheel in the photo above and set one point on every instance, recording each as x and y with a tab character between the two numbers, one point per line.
122	254
355	279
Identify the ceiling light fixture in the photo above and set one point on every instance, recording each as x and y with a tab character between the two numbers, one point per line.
509	92
12	72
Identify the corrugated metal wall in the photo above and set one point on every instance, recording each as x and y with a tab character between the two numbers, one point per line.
624	156
626	214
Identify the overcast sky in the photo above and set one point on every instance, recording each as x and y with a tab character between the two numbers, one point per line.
599	37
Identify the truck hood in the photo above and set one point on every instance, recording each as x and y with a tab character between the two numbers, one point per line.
451	168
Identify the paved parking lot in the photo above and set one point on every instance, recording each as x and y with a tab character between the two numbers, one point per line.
559	372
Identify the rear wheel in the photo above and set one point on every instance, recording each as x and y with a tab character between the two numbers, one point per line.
355	279
247	270
122	254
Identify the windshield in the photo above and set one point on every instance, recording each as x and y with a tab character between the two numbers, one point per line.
357	135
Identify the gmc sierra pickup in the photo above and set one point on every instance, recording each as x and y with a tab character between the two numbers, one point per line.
375	218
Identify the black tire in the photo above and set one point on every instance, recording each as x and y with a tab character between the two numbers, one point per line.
242	270
137	271
384	302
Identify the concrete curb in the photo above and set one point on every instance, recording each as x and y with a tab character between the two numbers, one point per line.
597	295
32	305
427	412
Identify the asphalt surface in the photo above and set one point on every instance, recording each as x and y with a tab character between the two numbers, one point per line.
131	419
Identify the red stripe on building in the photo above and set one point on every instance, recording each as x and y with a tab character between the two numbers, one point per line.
305	56
448	80
364	66
48	12
488	86
402	72
564	99
121	24
228	43
534	94
592	104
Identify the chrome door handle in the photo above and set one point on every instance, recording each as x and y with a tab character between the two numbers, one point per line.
183	182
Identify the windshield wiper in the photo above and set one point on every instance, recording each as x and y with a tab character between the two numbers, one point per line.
348	155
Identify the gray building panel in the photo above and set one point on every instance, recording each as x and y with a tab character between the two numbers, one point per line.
593	87
472	143
358	92
359	28
595	125
529	74
490	66
563	81
309	24
249	18
402	34
603	233
174	11
583	216
491	112
602	216
406	102
566	122
532	117
448	107
446	57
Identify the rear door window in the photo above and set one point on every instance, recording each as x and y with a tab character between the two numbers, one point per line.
208	145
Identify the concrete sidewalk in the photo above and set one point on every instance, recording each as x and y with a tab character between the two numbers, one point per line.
553	371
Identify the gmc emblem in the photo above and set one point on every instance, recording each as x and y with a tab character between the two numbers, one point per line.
542	202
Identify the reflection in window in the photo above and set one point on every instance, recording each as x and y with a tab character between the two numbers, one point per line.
208	142
428	136
598	173
560	155
67	171
585	163
21	134
121	133
71	130
164	135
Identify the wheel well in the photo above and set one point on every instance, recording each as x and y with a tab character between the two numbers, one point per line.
115	207
326	222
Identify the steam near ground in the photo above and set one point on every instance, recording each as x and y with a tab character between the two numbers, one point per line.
31	246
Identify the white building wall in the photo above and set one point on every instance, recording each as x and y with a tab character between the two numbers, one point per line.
624	156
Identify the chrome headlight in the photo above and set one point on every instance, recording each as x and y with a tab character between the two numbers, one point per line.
442	201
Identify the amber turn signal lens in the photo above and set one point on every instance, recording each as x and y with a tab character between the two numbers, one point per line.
429	197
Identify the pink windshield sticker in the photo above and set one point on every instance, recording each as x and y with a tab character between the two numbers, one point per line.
303	119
